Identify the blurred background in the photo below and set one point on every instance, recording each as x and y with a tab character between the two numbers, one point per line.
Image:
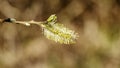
97	23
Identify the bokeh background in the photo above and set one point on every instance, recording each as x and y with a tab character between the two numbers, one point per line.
97	23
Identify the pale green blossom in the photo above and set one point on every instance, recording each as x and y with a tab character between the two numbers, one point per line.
58	32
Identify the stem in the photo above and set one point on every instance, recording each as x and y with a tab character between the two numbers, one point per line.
27	23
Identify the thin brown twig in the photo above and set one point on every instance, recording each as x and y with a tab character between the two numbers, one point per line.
27	23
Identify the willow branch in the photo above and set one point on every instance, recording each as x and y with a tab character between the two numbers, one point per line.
51	29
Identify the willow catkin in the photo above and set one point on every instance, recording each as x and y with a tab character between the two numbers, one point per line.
58	32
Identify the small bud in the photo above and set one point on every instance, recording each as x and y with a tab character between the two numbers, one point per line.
27	24
10	20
